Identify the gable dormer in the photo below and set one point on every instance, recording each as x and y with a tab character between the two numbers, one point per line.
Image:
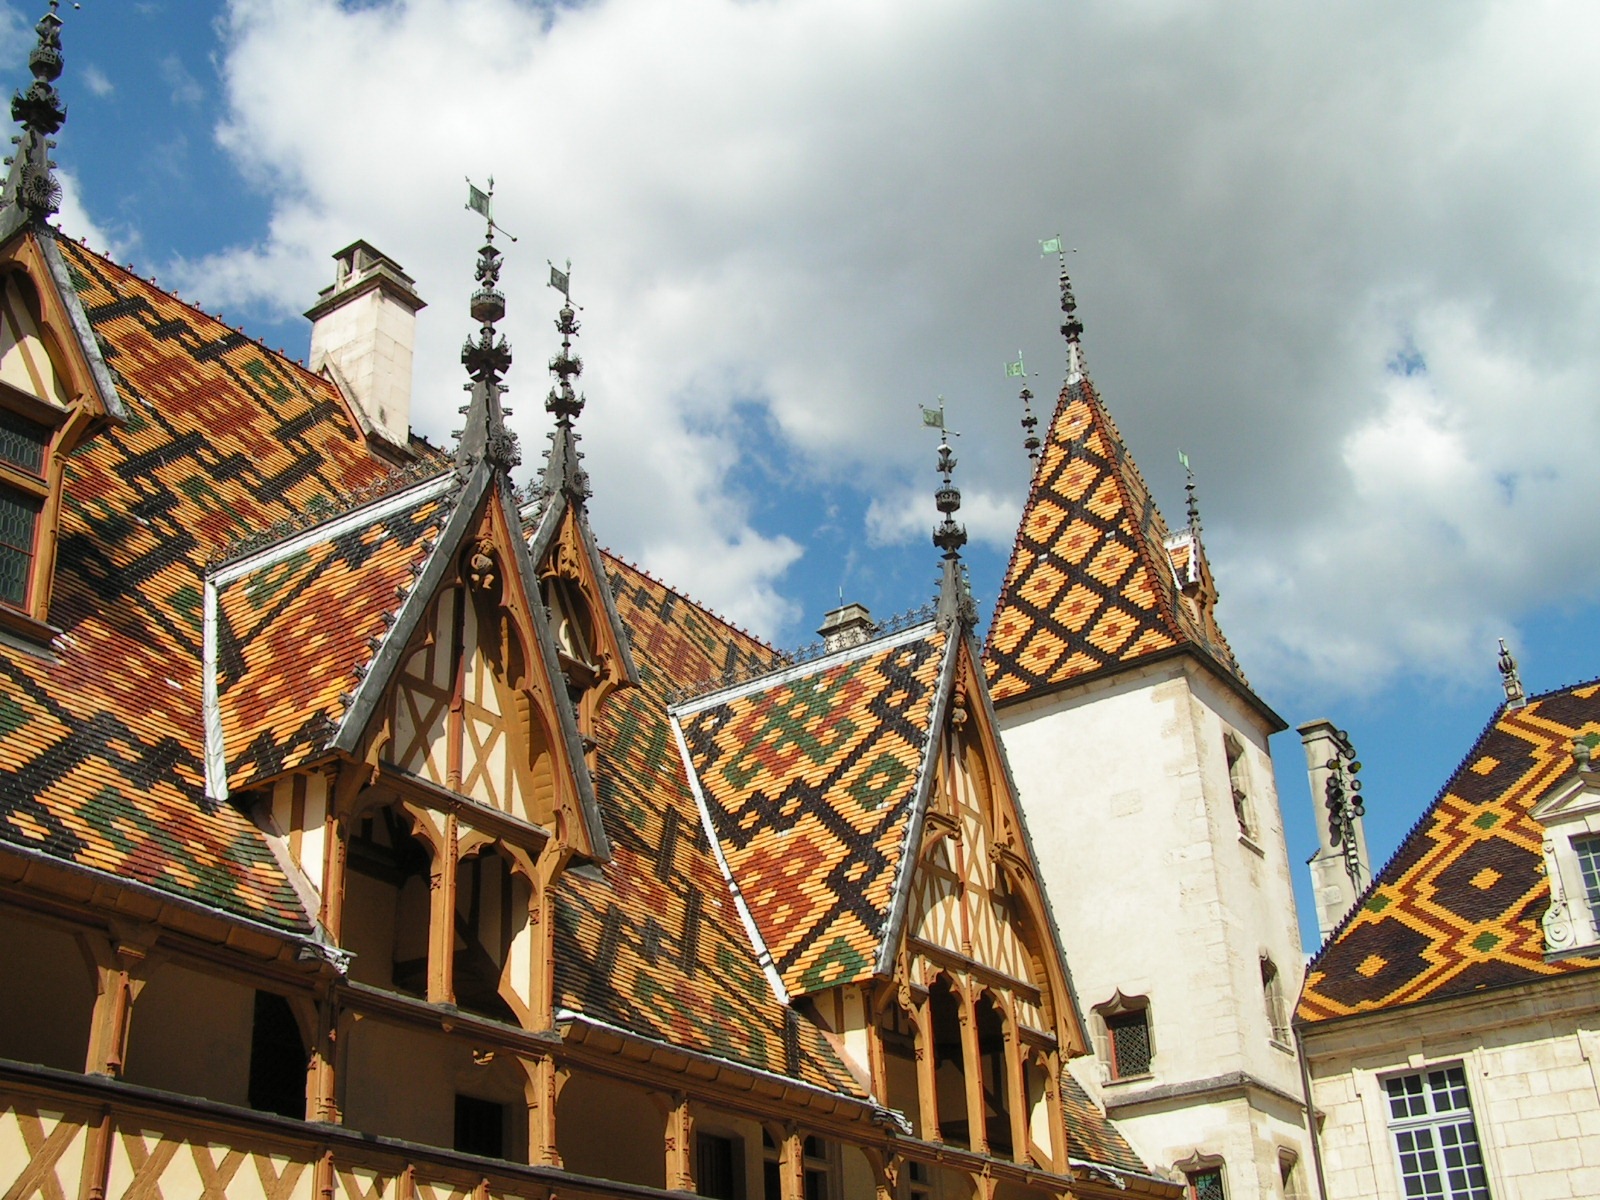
55	394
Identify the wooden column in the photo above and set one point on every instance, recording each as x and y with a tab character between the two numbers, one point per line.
97	1157
927	1071
1050	1061
679	1141
121	967
792	1164
322	1103
553	860
442	919
545	1081
886	1168
972	1070
1016	1085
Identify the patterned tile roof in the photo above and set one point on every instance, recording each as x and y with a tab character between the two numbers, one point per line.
101	754
298	624
1091	584
1458	907
1090	1134
653	943
808	778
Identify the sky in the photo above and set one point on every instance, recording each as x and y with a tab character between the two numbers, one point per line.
1343	256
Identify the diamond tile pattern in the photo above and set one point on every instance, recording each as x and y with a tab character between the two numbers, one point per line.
295	635
1091	584
1458	907
101	746
809	784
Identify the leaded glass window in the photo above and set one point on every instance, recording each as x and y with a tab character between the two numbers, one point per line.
19	522
1206	1184
22	442
1436	1142
1130	1042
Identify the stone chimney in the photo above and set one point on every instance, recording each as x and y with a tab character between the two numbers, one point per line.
846	626
1337	878
363	330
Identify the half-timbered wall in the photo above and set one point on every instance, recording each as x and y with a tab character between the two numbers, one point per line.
25	363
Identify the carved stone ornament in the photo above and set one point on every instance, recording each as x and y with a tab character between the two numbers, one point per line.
482	567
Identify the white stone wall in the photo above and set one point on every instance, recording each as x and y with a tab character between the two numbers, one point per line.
1124	784
1532	1062
370	340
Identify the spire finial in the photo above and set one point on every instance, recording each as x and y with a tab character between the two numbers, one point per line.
562	470
32	185
488	356
955	598
1511	679
1071	326
1191	501
1030	423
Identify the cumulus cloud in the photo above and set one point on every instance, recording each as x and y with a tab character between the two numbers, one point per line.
827	210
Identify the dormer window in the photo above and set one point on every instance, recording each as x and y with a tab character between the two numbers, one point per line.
1570	814
25	502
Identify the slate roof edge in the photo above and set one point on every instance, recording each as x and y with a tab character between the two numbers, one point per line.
764	959
905	873
216	766
1235	684
1116	1171
538	544
87	340
785	674
1310	1026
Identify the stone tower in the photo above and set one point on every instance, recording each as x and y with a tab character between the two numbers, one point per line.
1140	752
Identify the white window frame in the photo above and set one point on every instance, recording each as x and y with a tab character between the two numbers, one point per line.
1570	812
1434	1120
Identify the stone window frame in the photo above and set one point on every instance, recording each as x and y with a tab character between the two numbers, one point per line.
1291	1178
1239	781
1570	814
1275	1003
1197	1170
1398	1127
1120	1005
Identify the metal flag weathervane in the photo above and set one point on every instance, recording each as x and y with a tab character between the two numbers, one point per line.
1030	423
482	202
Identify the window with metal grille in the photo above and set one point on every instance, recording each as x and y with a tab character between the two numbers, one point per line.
1206	1184
19	527
1588	851
1129	1033
1435	1140
23	442
715	1167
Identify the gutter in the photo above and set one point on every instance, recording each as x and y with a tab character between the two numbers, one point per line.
1311	1116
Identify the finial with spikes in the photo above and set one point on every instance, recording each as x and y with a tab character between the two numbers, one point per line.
487	357
956	606
562	470
1511	679
1191	501
1071	326
32	186
1030	423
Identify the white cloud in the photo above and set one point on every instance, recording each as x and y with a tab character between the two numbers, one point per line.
827	209
95	80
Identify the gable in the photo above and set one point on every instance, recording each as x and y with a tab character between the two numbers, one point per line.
590	643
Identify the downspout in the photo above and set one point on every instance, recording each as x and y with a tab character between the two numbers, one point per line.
1311	1115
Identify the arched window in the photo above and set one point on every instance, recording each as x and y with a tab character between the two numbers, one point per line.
1239	783
1277	1009
1122	1029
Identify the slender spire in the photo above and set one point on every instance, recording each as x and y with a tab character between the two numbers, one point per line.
1071	326
486	357
956	605
1191	501
562	471
1030	423
31	186
1511	679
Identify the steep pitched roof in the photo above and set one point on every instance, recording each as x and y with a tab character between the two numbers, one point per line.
297	625
651	942
1092	585
1458	907
101	758
808	780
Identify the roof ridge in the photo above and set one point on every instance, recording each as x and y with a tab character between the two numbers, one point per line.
688	599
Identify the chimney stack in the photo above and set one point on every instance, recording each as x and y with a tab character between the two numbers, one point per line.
1340	869
846	626
363	332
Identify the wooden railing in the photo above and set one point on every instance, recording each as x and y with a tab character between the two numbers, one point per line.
76	1137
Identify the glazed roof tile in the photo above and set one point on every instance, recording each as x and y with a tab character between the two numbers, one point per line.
1091	584
653	943
1091	1135
1458	907
299	623
808	780
101	759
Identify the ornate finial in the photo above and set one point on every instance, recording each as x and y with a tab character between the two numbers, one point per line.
1071	326
1030	439
488	356
1583	752
955	598
32	186
562	470
1345	805
1511	679
1191	503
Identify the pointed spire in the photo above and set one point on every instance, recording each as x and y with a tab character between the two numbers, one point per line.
486	358
1511	679
1030	425
1191	501
563	472
31	186
1071	326
956	605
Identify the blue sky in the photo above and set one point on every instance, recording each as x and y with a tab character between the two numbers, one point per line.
1346	259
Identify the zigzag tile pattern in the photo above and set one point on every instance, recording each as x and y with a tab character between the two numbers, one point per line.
657	946
101	748
295	635
809	784
1458	908
1090	583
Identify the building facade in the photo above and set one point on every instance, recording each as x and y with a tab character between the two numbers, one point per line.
1451	1022
366	831
1141	755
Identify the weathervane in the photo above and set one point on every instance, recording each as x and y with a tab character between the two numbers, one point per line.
564	402
1030	423
480	201
1071	326
32	185
1191	503
955	598
488	356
